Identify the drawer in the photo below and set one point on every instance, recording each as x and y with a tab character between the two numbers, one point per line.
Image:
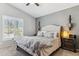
68	40
68	45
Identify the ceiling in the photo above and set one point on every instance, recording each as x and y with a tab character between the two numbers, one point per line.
43	9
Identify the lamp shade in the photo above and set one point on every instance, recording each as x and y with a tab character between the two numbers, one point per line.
65	34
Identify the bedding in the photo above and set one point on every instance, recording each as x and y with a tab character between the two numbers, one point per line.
43	49
35	43
46	41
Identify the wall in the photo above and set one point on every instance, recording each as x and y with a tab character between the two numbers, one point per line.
61	18
29	21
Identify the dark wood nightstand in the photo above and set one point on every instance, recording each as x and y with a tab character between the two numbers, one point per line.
69	43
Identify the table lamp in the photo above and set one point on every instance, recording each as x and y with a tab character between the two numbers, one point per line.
65	34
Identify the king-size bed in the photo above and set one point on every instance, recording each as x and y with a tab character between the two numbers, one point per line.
45	43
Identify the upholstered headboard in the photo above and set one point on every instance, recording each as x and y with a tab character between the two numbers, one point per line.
51	28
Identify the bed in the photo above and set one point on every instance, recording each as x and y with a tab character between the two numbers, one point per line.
45	43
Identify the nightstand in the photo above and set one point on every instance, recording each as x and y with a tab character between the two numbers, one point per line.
69	43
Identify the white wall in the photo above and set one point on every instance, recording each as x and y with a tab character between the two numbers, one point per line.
61	18
29	21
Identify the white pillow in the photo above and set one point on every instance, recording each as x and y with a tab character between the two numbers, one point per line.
50	34
41	33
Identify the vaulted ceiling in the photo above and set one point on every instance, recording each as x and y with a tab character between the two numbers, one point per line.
43	8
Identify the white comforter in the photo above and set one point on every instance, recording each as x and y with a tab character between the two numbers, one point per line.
35	43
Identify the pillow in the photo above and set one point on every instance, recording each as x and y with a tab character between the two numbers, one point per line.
55	34
50	34
41	33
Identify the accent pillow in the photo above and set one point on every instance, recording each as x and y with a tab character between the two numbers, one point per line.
41	33
50	34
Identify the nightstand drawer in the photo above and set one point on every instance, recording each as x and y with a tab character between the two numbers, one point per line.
68	45
68	40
